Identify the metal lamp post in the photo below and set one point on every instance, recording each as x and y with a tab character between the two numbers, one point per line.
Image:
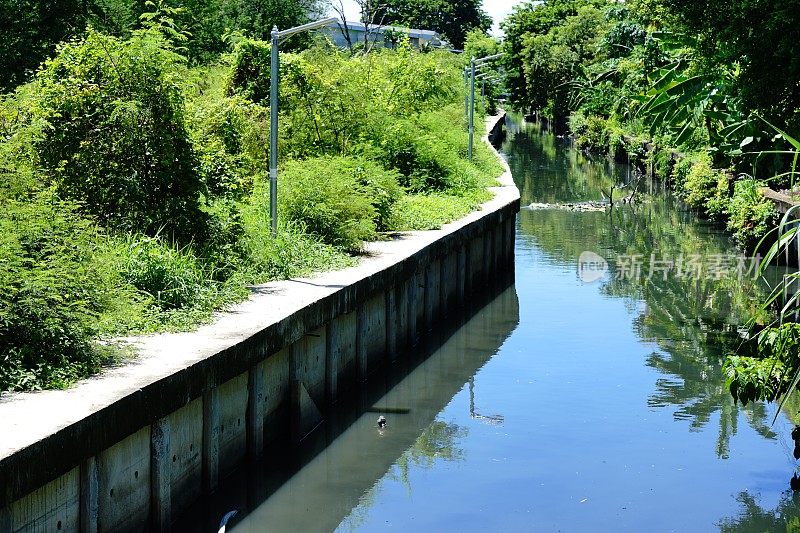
466	93
273	112
471	122
486	76
474	63
466	89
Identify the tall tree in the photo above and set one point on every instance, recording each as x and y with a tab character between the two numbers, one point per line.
30	30
209	20
451	18
527	21
761	37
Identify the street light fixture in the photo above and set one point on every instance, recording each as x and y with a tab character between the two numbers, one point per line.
273	112
466	85
474	64
487	77
466	93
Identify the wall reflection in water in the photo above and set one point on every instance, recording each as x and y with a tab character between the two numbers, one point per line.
330	476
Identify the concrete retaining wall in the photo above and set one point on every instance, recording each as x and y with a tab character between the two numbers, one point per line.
132	448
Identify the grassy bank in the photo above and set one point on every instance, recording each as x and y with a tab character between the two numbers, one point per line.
134	187
720	195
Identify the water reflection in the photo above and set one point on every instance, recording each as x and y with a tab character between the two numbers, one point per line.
691	321
753	518
336	482
545	172
474	414
438	442
599	407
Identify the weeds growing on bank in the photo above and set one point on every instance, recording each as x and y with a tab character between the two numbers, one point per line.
134	191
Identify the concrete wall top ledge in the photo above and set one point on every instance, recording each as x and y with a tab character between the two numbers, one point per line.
43	432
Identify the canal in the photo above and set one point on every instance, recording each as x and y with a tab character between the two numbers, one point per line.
576	400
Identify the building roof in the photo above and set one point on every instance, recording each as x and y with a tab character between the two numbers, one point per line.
377	28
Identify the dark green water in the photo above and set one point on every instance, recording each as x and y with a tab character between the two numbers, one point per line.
565	405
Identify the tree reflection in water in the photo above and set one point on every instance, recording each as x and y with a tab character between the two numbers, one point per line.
692	322
439	441
753	518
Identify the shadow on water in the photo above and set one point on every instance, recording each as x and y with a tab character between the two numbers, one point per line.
328	477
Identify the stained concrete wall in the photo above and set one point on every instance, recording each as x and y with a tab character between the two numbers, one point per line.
186	444
123	489
53	507
143	458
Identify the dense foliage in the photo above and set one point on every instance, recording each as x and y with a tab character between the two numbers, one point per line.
453	19
51	291
761	38
32	29
640	80
344	201
134	186
115	137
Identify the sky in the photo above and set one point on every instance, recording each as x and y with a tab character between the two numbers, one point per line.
497	9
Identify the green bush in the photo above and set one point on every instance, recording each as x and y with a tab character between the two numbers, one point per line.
52	290
250	70
18	177
591	133
768	374
344	201
432	211
681	172
165	286
290	253
173	160
229	132
663	161
114	137
331	101
172	276
751	379
431	155
421	158
716	205
750	214
701	186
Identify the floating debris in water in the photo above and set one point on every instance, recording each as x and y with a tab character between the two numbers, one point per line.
575	206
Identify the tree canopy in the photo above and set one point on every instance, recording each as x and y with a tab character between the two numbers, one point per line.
451	18
32	29
761	37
